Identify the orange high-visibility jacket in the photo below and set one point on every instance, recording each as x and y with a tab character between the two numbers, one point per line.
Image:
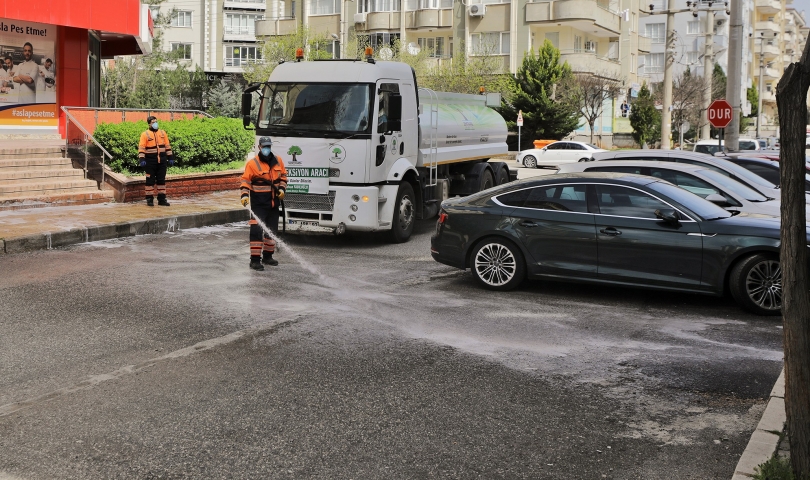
263	180
154	146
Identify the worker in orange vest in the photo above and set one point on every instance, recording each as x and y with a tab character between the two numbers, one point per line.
263	186
154	153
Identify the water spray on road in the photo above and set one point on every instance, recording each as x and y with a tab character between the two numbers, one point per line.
324	279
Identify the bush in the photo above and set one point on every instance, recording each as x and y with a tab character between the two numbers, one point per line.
194	142
777	468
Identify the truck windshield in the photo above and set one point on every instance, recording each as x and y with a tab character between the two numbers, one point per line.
304	109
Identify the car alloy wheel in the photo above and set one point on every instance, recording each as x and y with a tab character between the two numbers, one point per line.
529	161
763	285
495	264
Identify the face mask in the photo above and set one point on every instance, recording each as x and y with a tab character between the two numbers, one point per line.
154	125
266	151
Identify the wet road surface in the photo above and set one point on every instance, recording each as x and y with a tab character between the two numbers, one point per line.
166	357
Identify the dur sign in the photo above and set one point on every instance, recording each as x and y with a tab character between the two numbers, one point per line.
720	113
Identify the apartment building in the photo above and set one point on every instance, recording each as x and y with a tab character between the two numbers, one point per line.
217	35
777	40
599	37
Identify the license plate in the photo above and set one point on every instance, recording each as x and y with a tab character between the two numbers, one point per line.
303	223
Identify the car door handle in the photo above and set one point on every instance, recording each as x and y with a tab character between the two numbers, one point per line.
610	231
528	224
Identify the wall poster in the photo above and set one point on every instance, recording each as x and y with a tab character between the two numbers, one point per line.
28	75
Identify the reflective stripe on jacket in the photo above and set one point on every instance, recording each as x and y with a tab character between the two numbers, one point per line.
154	146
263	180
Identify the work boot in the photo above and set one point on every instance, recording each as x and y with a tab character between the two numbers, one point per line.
255	264
163	203
267	259
150	202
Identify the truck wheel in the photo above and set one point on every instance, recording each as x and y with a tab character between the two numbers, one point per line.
404	214
756	284
486	181
502	177
497	264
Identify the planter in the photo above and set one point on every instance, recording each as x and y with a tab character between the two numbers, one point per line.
131	189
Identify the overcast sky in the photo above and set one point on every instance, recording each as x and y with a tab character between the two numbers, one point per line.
801	5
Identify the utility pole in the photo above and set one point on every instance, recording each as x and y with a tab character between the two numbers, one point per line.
666	110
708	69
733	87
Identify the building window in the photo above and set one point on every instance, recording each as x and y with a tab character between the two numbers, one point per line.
577	43
239	56
181	18
433	45
324	7
377	40
183	50
656	31
693	27
654	63
554	38
692	58
366	6
241	24
154	10
495	43
427	4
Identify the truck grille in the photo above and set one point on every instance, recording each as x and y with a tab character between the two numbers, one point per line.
334	172
310	201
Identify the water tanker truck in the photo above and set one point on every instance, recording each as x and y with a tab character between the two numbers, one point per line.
367	150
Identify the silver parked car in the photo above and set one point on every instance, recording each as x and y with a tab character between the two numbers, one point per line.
720	165
703	182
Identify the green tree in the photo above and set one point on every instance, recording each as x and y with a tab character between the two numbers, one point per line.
644	118
281	48
224	99
546	115
294	150
753	98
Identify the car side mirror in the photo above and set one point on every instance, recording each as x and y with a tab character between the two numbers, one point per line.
669	216
718	200
247	101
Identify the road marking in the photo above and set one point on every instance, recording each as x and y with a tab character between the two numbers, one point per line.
95	380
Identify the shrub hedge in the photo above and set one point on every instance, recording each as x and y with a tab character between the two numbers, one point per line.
194	142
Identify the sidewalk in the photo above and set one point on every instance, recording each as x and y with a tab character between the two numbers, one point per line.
51	227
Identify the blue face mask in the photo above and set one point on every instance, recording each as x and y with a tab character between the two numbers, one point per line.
154	125
266	151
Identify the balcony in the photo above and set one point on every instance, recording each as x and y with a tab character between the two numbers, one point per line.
586	62
768	27
768	97
275	26
429	18
585	15
239	33
769	52
768	6
771	74
374	21
644	44
238	64
246	4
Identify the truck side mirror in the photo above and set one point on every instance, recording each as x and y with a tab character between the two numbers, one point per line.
394	113
247	104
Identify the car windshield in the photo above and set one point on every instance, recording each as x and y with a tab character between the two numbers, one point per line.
704	208
742	172
709	149
748	145
325	109
733	186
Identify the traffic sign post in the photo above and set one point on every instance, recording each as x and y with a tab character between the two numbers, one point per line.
720	115
519	124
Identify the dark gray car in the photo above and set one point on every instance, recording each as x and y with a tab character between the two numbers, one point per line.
611	228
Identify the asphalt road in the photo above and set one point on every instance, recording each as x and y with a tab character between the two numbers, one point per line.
165	356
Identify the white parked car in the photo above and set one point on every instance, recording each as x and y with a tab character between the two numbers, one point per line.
557	153
713	146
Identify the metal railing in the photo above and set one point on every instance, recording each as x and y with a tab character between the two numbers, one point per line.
241	62
82	145
240	30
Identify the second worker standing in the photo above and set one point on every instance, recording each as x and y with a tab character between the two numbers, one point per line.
263	185
154	152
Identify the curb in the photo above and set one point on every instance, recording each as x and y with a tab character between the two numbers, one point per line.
94	233
764	442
